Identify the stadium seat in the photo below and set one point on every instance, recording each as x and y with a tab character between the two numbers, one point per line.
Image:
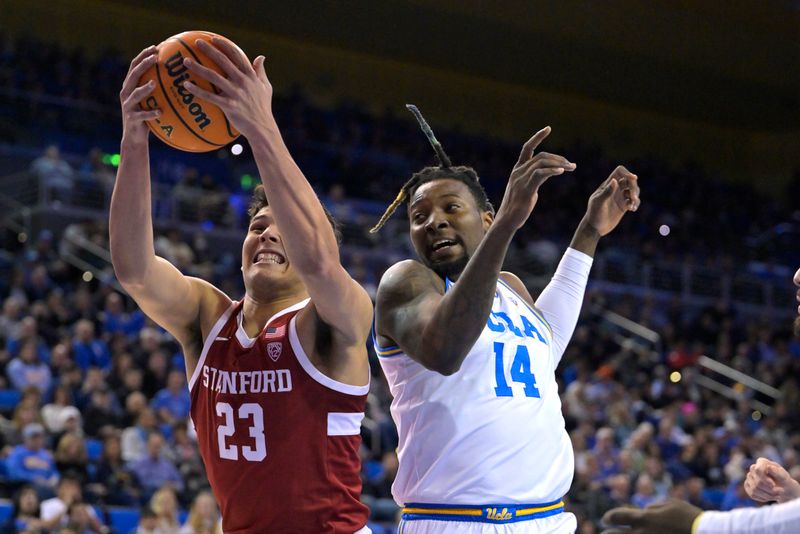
6	509
9	398
94	448
123	520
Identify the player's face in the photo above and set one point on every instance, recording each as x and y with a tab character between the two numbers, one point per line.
446	225
264	259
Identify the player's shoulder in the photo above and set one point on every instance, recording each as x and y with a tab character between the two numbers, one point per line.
213	303
407	279
515	283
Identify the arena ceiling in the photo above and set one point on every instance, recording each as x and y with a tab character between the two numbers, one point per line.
730	63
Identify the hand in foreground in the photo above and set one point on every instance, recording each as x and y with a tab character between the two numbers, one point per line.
245	92
134	126
668	517
529	173
767	481
616	196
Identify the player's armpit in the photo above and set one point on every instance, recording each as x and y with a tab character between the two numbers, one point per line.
341	303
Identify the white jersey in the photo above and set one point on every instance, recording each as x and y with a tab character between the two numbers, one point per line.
493	431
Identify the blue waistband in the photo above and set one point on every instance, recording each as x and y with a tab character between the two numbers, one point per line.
487	513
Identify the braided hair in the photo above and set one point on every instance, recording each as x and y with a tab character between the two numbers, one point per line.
445	170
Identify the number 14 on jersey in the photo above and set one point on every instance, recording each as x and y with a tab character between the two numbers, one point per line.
520	372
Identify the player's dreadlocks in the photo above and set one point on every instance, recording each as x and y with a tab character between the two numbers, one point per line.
445	170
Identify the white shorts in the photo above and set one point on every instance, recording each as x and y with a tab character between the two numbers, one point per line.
563	523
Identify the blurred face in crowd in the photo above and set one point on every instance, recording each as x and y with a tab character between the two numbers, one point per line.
135	403
175	381
84	331
28	501
205	506
114	303
154	444
446	225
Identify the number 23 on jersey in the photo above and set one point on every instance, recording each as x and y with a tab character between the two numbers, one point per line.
254	416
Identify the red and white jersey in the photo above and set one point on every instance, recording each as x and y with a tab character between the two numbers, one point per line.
279	439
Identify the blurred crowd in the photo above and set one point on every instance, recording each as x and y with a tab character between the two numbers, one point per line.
93	395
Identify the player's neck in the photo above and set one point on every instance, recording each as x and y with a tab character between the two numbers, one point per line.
256	313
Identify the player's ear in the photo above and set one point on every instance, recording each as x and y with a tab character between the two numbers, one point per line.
488	219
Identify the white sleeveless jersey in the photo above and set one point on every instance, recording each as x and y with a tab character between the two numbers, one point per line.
493	431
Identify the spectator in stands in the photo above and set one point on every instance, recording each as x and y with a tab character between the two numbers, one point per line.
25	513
89	351
11	318
203	517
101	412
165	504
72	458
645	492
28	332
31	462
115	319
113	483
154	471
28	370
134	438
172	403
58	511
148	522
54	174
53	413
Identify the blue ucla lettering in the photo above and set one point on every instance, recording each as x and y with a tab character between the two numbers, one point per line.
504	316
493	326
531	330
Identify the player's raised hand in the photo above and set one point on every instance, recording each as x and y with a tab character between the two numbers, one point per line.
767	481
668	517
530	172
616	196
245	93
134	126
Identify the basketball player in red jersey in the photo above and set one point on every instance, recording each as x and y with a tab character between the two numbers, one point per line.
279	380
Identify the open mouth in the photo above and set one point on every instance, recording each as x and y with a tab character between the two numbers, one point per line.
443	244
266	257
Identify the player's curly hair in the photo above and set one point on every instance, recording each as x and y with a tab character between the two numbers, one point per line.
259	201
445	170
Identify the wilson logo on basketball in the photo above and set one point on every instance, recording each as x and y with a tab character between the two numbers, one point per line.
274	350
177	71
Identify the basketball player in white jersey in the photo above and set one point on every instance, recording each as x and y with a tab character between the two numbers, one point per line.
470	357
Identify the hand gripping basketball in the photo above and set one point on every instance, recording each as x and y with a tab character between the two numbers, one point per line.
134	125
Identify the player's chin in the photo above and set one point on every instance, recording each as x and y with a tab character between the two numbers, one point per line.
448	268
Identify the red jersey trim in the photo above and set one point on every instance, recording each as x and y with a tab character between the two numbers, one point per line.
315	373
209	340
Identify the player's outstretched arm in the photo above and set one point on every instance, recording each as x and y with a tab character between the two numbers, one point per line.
163	293
768	481
615	197
562	298
246	98
438	329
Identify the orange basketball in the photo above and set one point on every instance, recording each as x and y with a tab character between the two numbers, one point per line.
186	122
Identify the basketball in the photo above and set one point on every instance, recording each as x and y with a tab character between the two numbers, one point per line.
186	122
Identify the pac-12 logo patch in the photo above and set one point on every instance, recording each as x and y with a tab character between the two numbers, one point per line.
274	350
